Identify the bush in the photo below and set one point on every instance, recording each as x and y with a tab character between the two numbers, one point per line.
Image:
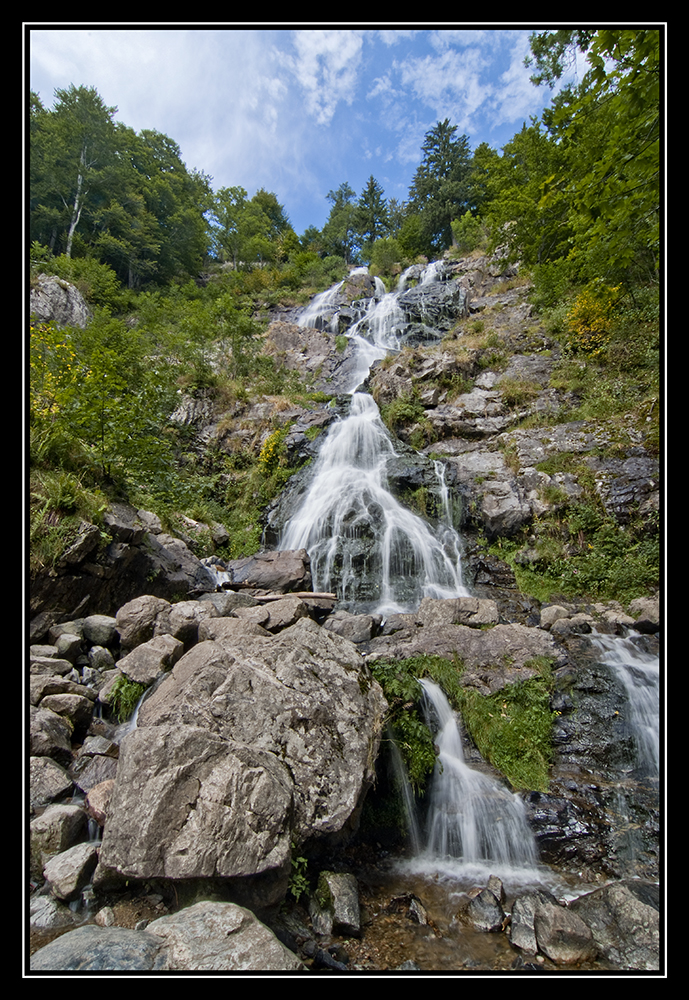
589	319
97	282
468	232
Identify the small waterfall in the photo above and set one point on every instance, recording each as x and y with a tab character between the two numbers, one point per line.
473	822
639	672
363	544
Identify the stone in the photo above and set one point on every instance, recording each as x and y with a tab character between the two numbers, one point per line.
67	873
54	299
189	803
278	572
100	630
98	800
624	919
139	619
485	912
50	735
219	937
334	907
147	661
54	831
254	740
48	781
98	949
562	935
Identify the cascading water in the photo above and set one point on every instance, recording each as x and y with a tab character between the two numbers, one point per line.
639	672
363	544
474	824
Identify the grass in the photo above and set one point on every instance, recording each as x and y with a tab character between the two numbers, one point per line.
512	728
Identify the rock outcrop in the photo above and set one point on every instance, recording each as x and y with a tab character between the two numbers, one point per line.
56	300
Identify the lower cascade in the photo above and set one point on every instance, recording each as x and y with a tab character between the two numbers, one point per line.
474	823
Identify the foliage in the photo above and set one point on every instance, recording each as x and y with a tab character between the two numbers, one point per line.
371	217
439	192
589	318
298	882
99	190
608	128
468	233
124	697
513	727
399	680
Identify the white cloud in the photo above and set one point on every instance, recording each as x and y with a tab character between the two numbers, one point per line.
326	67
516	98
449	84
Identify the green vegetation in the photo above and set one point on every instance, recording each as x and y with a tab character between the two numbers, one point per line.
298	881
399	680
511	728
124	697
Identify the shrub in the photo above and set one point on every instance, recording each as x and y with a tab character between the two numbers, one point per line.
589	320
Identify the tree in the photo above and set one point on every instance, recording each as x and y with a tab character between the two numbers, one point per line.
70	147
371	217
100	190
439	191
609	129
340	232
534	231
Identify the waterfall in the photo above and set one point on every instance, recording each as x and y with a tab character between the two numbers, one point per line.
639	672
363	544
473	821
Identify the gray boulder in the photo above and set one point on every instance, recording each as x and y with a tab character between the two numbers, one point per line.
254	740
624	919
276	571
219	937
55	299
213	937
98	949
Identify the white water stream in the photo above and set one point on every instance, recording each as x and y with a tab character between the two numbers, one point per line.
475	826
363	544
639	672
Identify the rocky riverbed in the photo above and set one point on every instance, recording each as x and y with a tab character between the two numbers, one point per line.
238	757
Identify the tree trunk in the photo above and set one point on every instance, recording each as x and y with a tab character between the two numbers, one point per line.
78	203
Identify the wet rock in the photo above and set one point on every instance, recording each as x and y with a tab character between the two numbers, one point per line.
562	935
625	922
485	912
522	930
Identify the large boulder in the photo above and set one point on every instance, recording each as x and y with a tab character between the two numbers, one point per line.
253	741
209	936
277	571
55	299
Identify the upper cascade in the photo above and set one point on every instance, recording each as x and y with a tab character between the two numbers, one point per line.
363	543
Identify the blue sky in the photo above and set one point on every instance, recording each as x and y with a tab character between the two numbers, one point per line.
298	110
